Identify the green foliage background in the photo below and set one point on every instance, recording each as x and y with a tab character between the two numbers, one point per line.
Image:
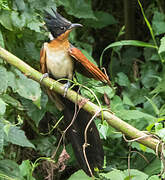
28	135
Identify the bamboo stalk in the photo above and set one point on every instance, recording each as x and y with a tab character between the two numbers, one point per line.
112	120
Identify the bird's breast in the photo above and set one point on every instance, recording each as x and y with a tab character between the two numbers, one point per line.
59	63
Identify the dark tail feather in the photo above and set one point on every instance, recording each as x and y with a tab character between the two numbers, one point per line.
75	134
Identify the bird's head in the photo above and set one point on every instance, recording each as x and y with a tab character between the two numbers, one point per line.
58	25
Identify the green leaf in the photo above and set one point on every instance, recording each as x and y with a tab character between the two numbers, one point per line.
136	94
158	126
135	174
6	128
79	9
123	80
160	86
155	177
27	88
103	129
147	22
134	114
42	5
158	23
80	175
26	169
131	43
2	107
45	145
34	25
162	45
19	5
127	100
154	167
98	88
18	21
116	104
3	79
10	170
33	111
160	131
44	100
141	147
103	19
17	136
32	51
151	54
115	174
1	40
162	110
105	89
149	75
12	81
5	19
127	43
155	108
1	136
4	4
13	102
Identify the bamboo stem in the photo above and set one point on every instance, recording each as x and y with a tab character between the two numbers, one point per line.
112	120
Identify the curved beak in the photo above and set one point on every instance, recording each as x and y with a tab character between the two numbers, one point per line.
75	25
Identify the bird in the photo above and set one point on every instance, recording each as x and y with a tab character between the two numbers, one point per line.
60	59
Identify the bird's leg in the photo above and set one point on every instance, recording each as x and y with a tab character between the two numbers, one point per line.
66	87
45	75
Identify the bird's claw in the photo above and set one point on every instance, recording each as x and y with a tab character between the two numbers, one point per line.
66	87
45	75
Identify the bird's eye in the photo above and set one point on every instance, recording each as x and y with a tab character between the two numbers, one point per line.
62	28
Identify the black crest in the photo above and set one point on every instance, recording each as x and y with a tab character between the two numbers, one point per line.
56	24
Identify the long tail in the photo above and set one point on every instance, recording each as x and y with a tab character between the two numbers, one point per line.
75	134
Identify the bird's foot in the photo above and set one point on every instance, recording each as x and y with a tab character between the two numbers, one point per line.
66	87
45	75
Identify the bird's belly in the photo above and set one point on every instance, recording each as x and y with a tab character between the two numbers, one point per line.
60	64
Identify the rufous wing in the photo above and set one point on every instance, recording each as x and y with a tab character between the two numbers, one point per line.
94	71
43	60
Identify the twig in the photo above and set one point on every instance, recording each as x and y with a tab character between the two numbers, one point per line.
163	160
141	155
136	139
129	160
129	157
86	141
64	132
